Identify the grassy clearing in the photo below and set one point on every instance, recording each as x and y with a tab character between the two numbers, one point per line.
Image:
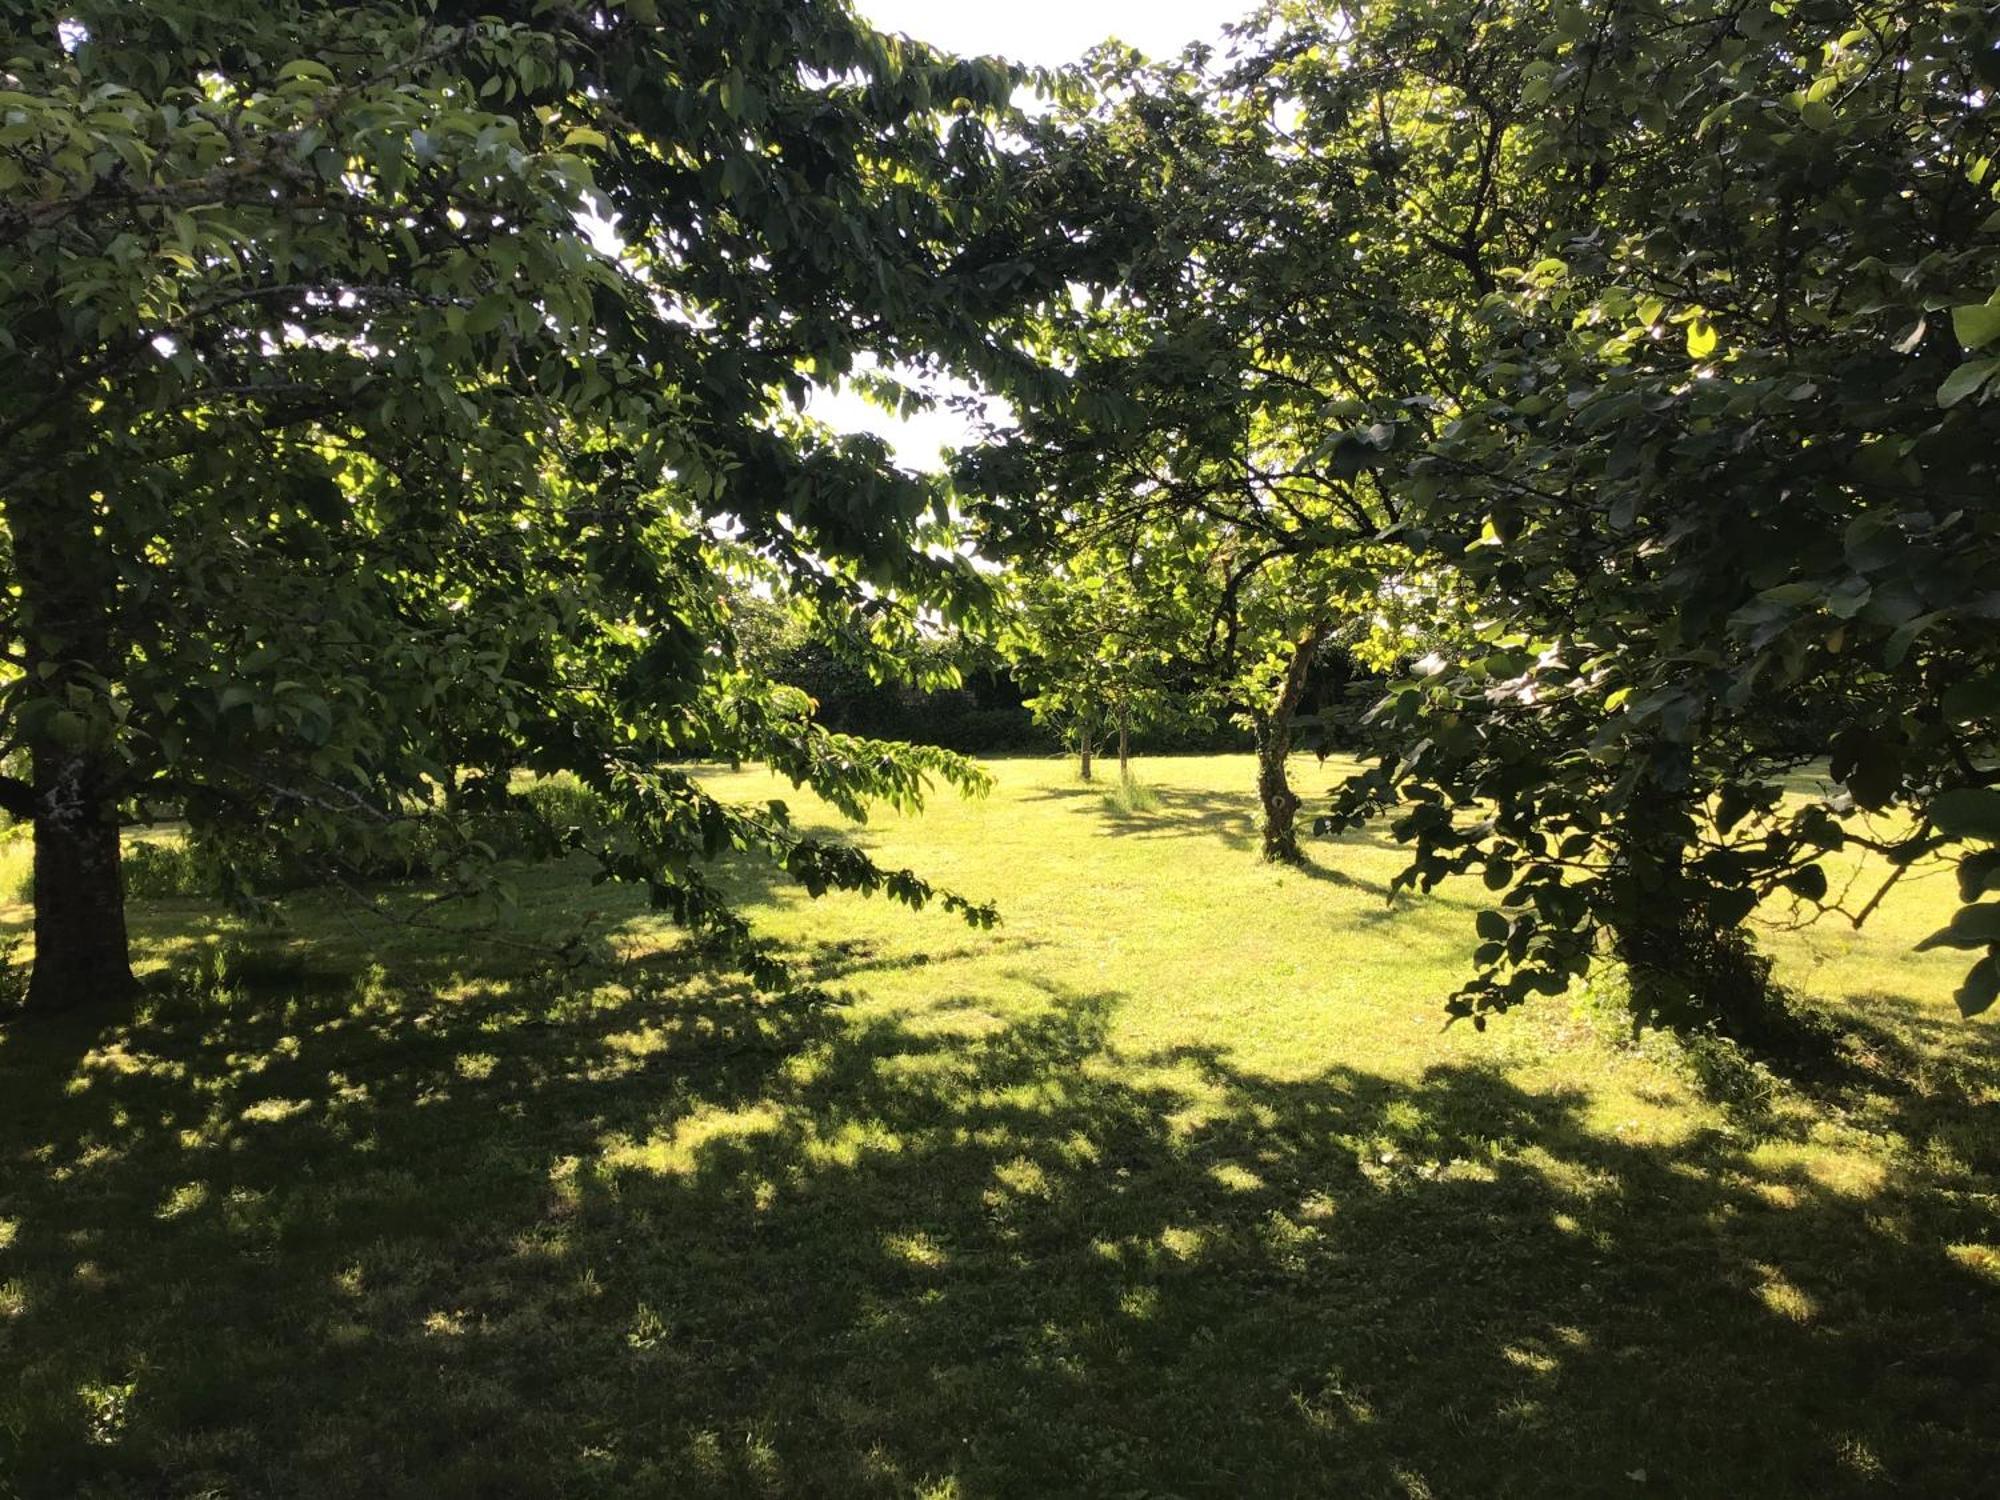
1170	1186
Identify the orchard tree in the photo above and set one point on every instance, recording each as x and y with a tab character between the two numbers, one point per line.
1232	398
1092	640
1667	334
392	387
1722	480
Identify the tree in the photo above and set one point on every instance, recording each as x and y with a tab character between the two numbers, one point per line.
1722	482
1091	639
1662	332
353	467
1231	397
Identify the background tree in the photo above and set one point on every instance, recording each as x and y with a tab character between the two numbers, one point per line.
1091	639
1231	397
1261	361
348	462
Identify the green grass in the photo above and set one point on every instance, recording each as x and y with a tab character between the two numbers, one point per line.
1171	1185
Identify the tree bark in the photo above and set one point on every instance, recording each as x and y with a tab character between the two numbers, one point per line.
1124	740
1274	748
1281	803
68	593
82	952
1086	735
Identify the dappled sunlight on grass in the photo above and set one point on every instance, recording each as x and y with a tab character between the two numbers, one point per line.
1170	1185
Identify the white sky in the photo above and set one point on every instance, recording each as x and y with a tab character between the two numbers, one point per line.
1049	32
1043	32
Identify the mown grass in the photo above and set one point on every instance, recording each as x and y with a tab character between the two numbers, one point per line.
1171	1185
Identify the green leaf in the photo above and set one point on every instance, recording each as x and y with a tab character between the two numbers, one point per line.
1877	772
1701	338
1972	698
1971	927
1968	812
1808	884
1976	326
68	728
1493	926
1966	379
1978	873
1904	636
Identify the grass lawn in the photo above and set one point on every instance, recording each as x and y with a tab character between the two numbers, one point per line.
1169	1186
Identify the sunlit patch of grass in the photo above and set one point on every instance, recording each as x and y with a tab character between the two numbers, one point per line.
446	1323
17	863
182	1201
680	1150
1236	1178
1183	1241
1782	1296
1981	1260
916	1249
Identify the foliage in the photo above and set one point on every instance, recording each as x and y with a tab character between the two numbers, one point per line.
1088	638
1719	516
1651	337
13	975
940	685
1197	458
356	472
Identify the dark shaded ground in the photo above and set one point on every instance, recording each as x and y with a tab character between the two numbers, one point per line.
294	1232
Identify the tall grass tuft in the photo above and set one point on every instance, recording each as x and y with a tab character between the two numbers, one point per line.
1131	797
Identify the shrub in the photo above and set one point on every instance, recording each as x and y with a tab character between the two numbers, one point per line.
156	869
13	976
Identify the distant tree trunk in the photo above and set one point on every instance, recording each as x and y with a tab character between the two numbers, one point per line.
1274	748
1086	737
1124	740
67	592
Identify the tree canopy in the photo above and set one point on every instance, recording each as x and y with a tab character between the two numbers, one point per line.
405	395
1657	336
395	385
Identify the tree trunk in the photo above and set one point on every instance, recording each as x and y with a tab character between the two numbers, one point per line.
1086	735
1124	741
82	955
1281	803
68	592
1274	748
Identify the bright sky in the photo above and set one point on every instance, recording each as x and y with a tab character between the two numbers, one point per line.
1043	32
1049	32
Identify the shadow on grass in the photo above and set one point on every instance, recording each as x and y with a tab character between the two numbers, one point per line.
1309	865
1185	812
337	1238
1176	812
